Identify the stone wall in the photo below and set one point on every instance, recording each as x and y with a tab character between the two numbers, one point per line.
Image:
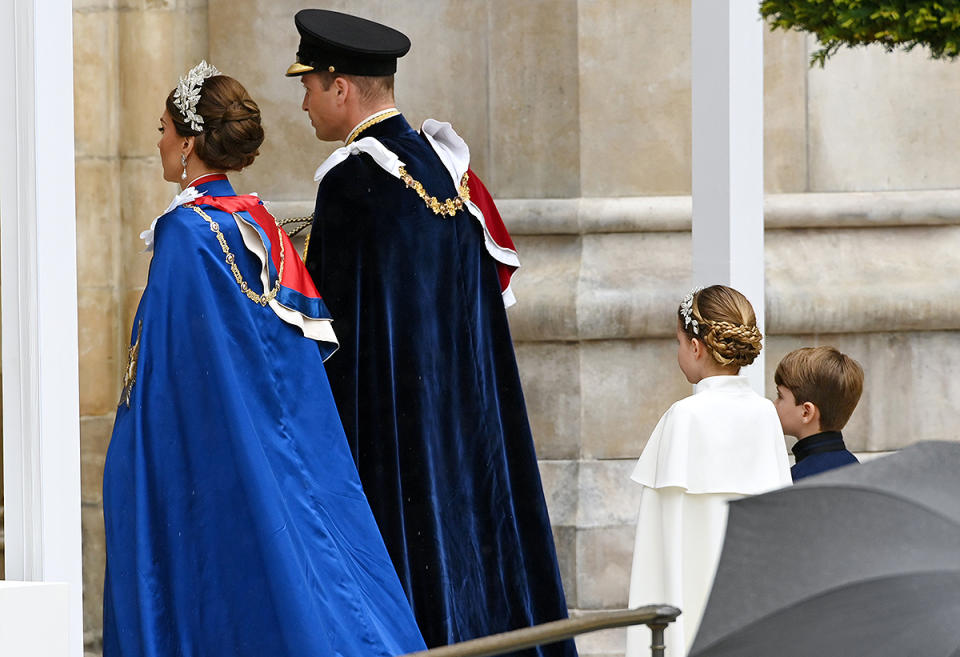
577	113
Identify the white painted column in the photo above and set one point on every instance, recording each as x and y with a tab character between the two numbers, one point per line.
41	425
26	610
727	83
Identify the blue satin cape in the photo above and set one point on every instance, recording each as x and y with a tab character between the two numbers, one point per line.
235	519
429	393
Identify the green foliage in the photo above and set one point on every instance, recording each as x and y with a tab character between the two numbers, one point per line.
903	24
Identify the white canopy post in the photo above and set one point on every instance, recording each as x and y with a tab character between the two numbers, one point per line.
727	89
41	424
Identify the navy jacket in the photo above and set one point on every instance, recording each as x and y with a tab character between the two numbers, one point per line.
819	453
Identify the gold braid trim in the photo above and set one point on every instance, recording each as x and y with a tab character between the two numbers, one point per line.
262	299
449	207
366	124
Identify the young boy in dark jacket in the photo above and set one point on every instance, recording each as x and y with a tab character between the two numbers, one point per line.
817	390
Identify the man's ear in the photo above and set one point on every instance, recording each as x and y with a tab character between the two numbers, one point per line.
343	89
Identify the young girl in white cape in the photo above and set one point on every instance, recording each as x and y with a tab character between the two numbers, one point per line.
721	443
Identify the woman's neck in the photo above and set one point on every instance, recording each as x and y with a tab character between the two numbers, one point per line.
197	172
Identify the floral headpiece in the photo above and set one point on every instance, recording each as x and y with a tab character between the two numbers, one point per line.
187	94
686	309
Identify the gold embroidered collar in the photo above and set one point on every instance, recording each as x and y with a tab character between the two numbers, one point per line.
371	121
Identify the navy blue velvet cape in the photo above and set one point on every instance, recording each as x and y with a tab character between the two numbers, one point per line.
235	519
427	386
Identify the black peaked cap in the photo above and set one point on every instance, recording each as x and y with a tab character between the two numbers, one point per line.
341	43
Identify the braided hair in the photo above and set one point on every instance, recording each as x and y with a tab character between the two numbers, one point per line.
726	324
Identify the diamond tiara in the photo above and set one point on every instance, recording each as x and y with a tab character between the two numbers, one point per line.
187	94
686	309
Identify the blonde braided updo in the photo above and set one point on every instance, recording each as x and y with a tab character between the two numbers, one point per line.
725	323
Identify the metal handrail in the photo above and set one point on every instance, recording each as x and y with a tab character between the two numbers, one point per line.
656	617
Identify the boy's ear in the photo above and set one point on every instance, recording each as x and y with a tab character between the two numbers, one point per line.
809	412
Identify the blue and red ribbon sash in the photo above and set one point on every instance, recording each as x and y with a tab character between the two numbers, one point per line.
295	274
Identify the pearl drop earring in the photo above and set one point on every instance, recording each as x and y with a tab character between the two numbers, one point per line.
183	161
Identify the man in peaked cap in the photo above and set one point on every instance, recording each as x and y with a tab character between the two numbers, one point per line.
414	263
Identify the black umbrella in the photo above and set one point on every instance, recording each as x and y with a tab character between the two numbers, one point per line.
862	560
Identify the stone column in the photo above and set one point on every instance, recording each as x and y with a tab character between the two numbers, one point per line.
96	124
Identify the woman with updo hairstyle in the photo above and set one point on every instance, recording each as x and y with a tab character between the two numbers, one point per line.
721	443
232	130
235	520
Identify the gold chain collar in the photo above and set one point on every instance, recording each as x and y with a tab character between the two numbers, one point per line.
261	299
448	207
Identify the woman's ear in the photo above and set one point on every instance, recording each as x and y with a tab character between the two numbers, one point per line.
186	146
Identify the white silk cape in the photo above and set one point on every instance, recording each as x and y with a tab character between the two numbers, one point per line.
721	443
